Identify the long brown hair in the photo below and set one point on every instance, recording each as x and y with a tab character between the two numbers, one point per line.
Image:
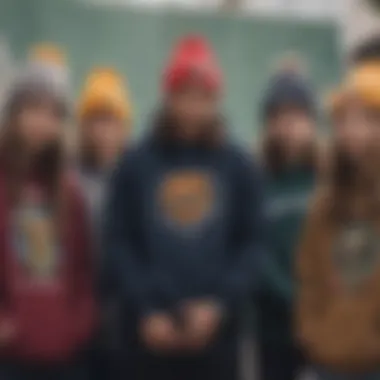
275	160
87	153
46	166
347	179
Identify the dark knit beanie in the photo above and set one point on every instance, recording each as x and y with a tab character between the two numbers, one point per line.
366	51
288	89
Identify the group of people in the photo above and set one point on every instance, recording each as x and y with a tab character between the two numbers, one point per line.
137	260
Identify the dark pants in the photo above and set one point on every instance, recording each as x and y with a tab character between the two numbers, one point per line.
104	361
220	365
99	361
279	358
105	350
219	362
17	371
323	374
279	361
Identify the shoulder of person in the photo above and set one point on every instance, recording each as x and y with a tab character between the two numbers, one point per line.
320	203
323	157
130	159
71	185
246	176
242	157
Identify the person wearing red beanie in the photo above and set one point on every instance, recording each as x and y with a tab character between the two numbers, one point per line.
192	88
192	62
184	230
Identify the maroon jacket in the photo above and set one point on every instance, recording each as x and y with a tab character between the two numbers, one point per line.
52	321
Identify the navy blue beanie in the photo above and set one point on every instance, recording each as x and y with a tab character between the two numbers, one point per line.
288	89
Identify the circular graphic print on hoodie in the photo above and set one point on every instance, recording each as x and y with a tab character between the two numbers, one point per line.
187	198
356	254
35	237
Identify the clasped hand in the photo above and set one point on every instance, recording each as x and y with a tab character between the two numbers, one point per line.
197	325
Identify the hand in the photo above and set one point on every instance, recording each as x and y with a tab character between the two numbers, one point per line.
159	333
202	319
7	332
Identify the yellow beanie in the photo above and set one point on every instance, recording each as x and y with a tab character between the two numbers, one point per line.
104	91
363	83
47	53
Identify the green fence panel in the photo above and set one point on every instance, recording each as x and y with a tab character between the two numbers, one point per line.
137	43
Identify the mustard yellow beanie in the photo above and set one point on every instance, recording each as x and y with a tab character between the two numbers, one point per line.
362	82
47	53
104	91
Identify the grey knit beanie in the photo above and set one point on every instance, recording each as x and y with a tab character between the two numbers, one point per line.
38	80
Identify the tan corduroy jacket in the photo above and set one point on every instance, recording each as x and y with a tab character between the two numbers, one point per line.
338	322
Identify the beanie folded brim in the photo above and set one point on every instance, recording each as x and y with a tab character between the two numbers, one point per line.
342	97
100	106
362	84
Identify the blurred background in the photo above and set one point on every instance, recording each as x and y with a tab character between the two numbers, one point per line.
135	37
251	38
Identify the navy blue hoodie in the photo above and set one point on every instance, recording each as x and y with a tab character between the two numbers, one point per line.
184	222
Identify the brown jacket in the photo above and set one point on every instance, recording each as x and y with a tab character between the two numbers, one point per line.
338	304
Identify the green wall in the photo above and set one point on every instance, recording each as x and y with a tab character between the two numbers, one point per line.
137	42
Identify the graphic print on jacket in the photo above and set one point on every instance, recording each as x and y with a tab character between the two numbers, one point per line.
287	197
287	200
356	254
35	238
282	207
46	281
187	199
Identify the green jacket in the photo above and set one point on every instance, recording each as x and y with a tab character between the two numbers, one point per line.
287	199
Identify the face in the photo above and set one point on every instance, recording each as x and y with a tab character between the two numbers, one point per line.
294	128
194	107
39	125
357	130
107	136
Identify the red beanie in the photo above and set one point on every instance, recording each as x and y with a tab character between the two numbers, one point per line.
192	57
